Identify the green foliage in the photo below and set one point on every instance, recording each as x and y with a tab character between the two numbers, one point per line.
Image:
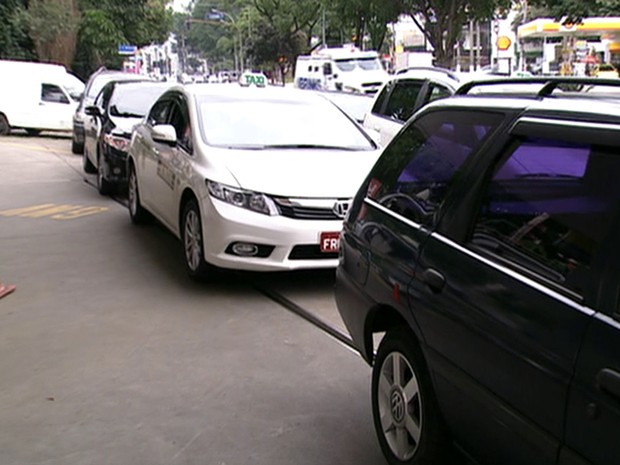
573	11
106	24
53	29
443	20
15	43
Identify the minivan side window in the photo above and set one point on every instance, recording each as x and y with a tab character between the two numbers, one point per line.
548	209
53	93
412	176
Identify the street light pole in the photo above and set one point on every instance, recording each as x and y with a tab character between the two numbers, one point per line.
240	38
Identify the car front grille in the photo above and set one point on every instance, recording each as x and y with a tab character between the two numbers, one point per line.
308	209
310	252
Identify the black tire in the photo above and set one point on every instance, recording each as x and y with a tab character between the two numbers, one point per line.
412	431
104	186
137	213
192	239
87	165
76	147
5	128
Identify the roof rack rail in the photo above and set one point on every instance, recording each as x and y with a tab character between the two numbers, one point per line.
550	83
437	69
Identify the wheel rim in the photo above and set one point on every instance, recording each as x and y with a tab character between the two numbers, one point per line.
400	406
133	193
192	240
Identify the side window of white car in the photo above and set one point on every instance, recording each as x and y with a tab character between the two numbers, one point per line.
54	94
403	99
159	113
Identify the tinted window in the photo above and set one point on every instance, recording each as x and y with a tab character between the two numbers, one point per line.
378	106
414	171
159	113
437	92
402	100
549	207
180	120
52	93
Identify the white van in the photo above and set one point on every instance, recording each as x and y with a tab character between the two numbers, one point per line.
37	97
341	68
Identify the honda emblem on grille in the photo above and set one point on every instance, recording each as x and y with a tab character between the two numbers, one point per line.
341	207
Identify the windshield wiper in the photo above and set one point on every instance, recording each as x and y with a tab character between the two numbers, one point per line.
308	146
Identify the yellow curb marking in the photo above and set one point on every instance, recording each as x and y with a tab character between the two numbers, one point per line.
32	147
57	212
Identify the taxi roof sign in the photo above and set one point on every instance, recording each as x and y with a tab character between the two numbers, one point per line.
253	79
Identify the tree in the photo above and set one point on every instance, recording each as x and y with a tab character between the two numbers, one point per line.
359	18
289	23
106	24
15	43
441	21
53	27
573	11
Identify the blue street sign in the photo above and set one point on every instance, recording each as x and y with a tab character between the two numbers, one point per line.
127	49
215	16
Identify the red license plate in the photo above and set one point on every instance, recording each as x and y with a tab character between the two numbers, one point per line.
330	242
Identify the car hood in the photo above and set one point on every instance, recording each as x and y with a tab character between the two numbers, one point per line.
125	124
311	173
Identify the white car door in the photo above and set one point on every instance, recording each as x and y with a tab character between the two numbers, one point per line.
55	108
171	159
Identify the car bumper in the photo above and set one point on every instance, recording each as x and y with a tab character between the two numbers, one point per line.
115	165
290	244
78	132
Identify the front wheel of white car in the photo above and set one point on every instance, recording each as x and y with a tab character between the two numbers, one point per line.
406	417
137	213
192	237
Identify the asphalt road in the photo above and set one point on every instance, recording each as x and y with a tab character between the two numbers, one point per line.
109	354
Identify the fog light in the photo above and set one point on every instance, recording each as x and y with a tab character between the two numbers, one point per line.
244	249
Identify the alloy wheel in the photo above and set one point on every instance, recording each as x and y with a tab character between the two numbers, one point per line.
192	239
400	406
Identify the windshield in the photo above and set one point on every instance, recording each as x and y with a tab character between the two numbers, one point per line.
257	124
367	64
133	101
74	86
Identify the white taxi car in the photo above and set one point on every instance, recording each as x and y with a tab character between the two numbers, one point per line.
248	178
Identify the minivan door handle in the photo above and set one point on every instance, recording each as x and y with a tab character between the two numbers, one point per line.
434	280
608	380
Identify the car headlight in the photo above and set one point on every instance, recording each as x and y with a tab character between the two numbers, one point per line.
116	141
249	200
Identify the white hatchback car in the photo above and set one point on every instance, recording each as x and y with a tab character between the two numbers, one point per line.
400	97
248	178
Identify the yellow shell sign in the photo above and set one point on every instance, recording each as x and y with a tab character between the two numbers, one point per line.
503	43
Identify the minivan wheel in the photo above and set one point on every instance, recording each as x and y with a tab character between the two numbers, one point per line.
5	128
103	185
137	213
192	237
406	417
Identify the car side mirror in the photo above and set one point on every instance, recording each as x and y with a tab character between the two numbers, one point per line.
92	110
164	133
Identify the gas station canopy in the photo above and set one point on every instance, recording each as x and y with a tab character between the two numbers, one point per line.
608	28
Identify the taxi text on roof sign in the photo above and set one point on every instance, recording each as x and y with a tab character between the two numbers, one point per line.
253	79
